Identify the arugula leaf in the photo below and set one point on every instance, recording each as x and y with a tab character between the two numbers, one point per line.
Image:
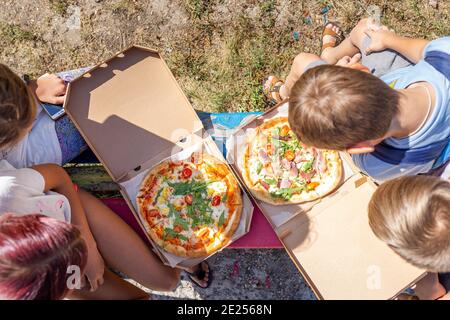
307	166
271	181
222	219
286	193
158	194
259	167
184	188
181	237
168	232
183	223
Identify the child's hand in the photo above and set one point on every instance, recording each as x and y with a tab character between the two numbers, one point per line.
346	61
50	88
379	36
95	266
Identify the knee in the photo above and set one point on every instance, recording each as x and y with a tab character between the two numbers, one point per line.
302	60
358	31
172	280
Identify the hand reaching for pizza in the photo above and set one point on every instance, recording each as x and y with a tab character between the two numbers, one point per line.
95	266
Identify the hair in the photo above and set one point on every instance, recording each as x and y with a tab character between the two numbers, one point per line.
17	107
35	252
412	215
333	107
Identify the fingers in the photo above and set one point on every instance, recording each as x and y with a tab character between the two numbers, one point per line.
355	59
58	99
96	282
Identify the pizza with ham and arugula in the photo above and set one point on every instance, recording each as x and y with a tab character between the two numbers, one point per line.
279	169
192	207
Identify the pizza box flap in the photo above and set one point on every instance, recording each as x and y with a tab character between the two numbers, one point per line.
129	109
339	255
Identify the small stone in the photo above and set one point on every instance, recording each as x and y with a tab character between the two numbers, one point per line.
433	3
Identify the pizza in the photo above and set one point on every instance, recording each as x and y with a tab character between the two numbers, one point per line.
279	169
192	207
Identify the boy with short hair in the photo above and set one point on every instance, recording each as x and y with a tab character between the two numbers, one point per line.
412	216
395	125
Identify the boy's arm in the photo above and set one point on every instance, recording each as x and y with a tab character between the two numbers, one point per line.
57	179
382	38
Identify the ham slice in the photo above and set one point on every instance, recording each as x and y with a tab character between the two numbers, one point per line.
308	175
298	156
286	164
264	184
293	172
263	156
285	183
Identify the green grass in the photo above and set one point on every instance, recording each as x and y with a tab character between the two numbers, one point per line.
219	50
60	6
15	33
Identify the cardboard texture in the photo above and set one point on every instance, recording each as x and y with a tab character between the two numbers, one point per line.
330	240
132	113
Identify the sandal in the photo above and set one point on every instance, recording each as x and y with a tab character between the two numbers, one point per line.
271	88
200	274
328	31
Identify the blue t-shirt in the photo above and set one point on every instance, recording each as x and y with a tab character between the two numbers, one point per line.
436	128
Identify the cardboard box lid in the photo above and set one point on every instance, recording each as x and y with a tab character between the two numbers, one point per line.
340	255
130	108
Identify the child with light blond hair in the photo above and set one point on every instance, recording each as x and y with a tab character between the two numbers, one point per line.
412	216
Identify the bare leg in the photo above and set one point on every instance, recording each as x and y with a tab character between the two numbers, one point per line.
345	48
114	288
429	288
122	248
301	61
358	34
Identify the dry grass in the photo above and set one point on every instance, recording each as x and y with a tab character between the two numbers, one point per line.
219	50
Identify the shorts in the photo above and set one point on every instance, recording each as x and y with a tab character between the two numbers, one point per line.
70	140
379	63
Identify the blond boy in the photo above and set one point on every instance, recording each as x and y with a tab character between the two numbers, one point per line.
412	216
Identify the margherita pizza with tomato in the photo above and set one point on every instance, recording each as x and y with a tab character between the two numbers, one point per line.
191	207
279	169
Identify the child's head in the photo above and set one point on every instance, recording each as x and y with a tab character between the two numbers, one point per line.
35	252
412	215
338	108
17	108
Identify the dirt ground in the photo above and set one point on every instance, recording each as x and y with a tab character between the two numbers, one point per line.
219	51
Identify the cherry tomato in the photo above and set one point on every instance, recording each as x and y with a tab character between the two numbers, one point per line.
289	155
313	185
284	131
215	201
186	173
188	199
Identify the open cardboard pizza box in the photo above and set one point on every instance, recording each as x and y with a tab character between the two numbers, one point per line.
132	113
330	240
